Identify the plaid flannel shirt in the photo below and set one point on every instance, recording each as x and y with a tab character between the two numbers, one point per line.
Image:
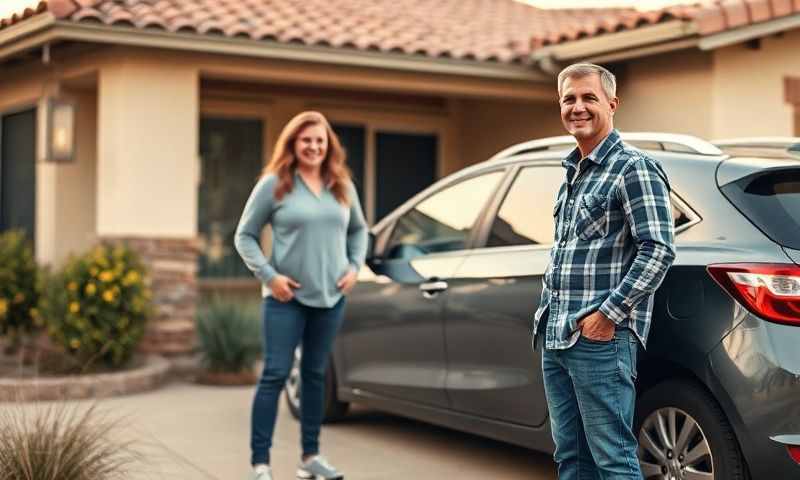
613	242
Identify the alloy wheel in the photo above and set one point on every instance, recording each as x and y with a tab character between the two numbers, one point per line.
672	446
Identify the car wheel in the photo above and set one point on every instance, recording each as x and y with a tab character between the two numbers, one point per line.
333	409
683	434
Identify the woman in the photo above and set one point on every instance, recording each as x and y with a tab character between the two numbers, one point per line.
319	241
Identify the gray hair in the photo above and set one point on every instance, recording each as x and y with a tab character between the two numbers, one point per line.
580	70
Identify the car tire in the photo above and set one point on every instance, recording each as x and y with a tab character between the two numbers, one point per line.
685	404
333	409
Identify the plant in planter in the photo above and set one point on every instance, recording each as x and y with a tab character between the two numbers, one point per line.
62	442
230	342
19	289
96	307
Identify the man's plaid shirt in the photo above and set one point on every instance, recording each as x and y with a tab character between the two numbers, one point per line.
613	242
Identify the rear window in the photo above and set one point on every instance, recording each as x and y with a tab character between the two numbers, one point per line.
771	200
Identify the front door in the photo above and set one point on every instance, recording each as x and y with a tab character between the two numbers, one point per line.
18	172
231	153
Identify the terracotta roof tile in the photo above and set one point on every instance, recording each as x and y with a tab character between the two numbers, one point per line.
494	30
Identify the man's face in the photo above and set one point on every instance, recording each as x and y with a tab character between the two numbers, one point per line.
586	112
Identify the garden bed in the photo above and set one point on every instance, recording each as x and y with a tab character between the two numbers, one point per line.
143	374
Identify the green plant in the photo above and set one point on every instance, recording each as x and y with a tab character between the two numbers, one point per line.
96	307
19	287
61	442
229	335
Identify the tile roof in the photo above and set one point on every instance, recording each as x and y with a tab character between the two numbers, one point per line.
485	30
710	17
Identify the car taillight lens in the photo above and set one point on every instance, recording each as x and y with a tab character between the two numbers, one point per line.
771	291
794	452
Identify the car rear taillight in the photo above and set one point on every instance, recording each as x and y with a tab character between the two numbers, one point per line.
771	291
794	452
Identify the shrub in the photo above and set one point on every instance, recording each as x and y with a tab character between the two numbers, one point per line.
60	442
19	286
229	335
96	307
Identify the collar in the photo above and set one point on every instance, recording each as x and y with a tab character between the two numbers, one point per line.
598	155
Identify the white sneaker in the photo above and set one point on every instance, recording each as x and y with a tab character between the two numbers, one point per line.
318	468
261	475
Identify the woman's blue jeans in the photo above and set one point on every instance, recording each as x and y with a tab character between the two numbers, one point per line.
285	326
591	396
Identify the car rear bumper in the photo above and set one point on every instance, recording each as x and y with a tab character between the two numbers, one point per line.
757	367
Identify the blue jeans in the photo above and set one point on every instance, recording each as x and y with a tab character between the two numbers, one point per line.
591	396
285	326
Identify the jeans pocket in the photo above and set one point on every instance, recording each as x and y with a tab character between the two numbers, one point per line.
628	356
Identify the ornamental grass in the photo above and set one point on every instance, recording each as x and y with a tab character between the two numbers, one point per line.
62	442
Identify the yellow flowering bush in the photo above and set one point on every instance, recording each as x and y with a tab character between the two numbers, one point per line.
19	286
97	305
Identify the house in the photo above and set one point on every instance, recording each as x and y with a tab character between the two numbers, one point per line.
175	106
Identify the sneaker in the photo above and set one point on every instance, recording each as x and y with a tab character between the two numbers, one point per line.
318	468
263	475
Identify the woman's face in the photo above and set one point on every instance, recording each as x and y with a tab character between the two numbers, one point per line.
311	146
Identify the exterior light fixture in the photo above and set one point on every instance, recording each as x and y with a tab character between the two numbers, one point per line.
60	130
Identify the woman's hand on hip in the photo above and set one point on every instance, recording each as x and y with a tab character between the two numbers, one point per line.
282	287
348	281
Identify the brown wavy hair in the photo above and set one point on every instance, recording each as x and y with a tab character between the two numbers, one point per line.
283	163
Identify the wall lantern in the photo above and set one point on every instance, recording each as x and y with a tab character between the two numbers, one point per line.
60	130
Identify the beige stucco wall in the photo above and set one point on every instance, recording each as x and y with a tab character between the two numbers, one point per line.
749	89
487	126
667	93
75	205
147	149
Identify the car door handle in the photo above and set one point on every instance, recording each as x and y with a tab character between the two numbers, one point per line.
431	289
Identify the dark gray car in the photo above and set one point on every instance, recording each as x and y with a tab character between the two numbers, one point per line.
439	326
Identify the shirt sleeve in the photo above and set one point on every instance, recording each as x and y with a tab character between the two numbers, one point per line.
357	236
257	213
644	197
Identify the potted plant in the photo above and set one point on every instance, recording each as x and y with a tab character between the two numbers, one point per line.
229	335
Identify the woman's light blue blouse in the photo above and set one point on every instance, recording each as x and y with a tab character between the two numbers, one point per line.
315	240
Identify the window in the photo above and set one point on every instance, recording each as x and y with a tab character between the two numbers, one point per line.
526	215
771	200
443	221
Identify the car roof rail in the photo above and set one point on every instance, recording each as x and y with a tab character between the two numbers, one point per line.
668	142
790	145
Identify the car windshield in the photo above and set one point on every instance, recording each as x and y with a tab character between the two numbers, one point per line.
771	200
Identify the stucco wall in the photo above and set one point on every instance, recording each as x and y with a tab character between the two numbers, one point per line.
749	89
75	200
147	149
487	126
667	93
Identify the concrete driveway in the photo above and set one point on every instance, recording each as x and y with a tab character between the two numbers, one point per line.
188	431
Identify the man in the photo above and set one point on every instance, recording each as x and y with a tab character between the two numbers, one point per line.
613	246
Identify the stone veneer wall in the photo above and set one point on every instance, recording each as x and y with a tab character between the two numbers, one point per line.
172	269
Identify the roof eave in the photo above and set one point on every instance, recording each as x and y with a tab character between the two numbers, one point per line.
674	35
13	36
67	30
614	42
750	32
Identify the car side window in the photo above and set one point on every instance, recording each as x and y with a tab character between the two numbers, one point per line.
526	214
443	221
